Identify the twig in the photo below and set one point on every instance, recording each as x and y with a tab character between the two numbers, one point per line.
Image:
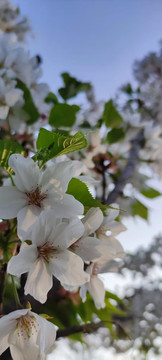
137	145
2	285
85	329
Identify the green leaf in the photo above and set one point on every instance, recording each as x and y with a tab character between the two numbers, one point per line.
83	195
140	210
72	86
111	117
63	115
127	89
150	193
115	135
7	148
29	106
53	144
51	98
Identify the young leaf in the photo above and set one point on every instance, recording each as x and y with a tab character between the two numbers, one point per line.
140	210
29	106
83	195
115	135
53	144
51	98
150	193
63	115
7	148
72	86
111	117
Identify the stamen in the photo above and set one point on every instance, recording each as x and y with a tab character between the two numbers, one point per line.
26	326
35	197
46	251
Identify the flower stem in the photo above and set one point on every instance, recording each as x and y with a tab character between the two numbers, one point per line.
15	292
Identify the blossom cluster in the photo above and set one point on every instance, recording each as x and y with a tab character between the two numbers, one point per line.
56	239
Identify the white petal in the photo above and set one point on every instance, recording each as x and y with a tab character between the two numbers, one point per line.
26	219
116	228
111	214
67	206
83	292
22	262
109	266
42	228
97	291
7	326
59	175
66	234
92	220
47	335
111	248
68	268
27	173
4	109
12	96
87	248
39	281
11	201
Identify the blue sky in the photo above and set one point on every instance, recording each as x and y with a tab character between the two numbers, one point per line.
94	40
97	41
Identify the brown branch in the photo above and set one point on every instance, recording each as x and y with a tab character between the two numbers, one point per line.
137	145
2	284
85	329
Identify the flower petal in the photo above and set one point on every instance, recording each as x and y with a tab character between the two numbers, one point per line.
92	220
11	201
47	335
97	291
66	234
87	248
68	268
26	219
39	281
22	262
27	173
59	175
66	206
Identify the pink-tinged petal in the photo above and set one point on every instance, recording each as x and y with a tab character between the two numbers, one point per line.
66	234
47	335
92	220
109	266
58	176
68	268
26	219
22	262
111	248
117	228
27	173
39	281
11	201
97	291
66	206
87	248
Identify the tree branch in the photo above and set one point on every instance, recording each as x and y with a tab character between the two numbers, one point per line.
2	284
85	329
137	145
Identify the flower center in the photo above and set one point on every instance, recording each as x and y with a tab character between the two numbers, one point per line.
26	326
35	197
46	251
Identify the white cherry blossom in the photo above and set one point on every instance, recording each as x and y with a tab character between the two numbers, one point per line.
95	286
94	243
28	335
49	255
38	190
